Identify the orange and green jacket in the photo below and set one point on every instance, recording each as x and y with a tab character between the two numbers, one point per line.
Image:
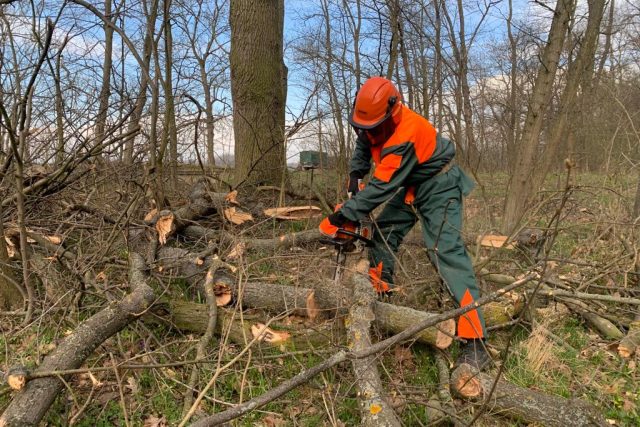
413	154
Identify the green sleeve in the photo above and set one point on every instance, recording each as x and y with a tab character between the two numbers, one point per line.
361	160
394	168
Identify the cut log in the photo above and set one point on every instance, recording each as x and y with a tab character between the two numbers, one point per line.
374	408
293	213
523	404
30	405
328	300
631	342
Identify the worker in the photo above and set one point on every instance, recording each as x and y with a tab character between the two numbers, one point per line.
415	174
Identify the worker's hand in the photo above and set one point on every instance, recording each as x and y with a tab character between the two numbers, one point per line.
355	184
331	224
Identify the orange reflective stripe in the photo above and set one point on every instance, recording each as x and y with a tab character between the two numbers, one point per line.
410	195
389	164
375	276
469	325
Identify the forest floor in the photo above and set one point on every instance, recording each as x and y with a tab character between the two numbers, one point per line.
591	250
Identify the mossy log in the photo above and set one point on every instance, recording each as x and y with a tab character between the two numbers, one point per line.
523	404
605	327
329	300
193	317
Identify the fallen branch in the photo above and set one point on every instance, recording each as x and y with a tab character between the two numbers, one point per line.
524	404
374	408
342	356
208	334
31	404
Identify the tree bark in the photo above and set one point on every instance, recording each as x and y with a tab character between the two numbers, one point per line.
524	404
257	71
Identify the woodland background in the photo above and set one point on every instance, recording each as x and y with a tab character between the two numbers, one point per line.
127	126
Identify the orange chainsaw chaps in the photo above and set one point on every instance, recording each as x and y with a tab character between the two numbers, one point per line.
469	325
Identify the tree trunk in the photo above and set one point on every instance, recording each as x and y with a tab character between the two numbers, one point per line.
105	90
526	159
257	88
136	115
580	74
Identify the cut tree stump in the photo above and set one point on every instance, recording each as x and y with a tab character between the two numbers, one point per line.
523	404
374	408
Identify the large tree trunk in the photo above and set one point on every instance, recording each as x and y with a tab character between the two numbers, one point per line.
524	404
526	158
257	88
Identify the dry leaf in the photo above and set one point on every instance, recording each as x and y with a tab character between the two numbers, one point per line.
293	212
404	357
263	333
132	385
152	213
273	421
165	227
153	421
237	217
101	277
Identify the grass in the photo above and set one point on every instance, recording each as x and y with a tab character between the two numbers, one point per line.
592	371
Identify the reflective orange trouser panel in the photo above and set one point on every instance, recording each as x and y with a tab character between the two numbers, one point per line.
469	325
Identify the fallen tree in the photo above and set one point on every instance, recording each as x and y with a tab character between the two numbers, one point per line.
522	403
32	402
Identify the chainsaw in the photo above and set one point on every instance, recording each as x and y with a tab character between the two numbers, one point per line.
352	237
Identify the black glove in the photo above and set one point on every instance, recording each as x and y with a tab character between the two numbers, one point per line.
337	219
354	183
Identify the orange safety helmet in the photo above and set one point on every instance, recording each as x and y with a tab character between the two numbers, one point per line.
377	100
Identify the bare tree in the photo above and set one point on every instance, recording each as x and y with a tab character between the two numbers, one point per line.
520	183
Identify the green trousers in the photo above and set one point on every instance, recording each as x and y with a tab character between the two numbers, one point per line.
438	206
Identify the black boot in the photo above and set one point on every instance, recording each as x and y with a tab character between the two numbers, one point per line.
474	353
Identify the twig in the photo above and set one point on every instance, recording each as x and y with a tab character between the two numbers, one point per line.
208	335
